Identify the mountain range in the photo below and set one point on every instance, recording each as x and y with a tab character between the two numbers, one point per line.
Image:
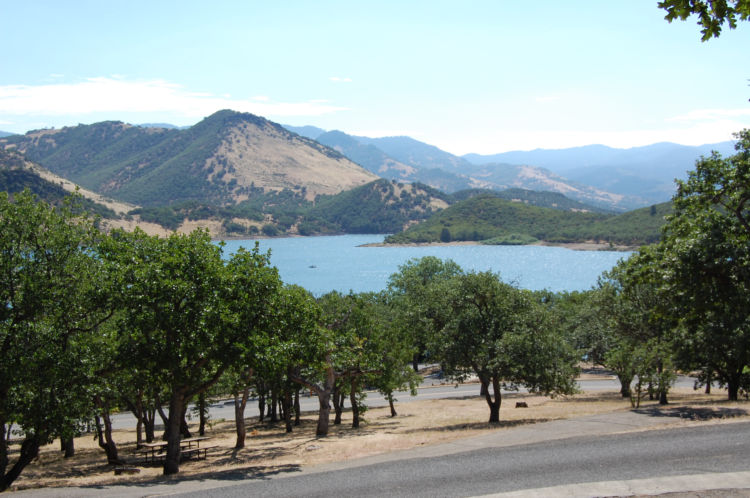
241	174
606	177
220	160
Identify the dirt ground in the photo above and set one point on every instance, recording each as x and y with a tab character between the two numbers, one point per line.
269	449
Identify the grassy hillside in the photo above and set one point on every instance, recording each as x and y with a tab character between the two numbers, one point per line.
489	218
15	176
218	161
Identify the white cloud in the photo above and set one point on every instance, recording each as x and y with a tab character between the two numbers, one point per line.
711	115
494	141
337	79
114	95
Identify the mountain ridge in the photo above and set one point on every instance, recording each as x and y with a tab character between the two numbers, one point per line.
220	159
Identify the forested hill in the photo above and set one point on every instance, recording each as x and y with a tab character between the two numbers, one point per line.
554	200
218	161
382	206
17	174
489	218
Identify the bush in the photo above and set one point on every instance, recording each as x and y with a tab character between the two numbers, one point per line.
270	230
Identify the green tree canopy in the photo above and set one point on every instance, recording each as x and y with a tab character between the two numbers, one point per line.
51	308
703	265
501	335
712	14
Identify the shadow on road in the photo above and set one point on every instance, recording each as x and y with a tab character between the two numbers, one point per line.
503	424
259	472
693	413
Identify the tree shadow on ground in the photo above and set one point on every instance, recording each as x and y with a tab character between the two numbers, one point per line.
261	472
503	424
693	412
599	396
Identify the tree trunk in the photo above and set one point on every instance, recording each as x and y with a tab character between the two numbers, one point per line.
138	432
163	416
287	401
137	408
184	429
177	403
625	387
239	417
261	403
29	451
106	442
415	362
274	403
338	404
353	401
296	407
324	412
68	446
148	425
324	401
4	439
494	404
389	396
202	409
733	388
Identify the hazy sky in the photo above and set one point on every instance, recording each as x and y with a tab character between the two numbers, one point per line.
466	76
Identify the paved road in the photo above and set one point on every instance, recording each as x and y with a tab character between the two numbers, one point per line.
597	455
430	389
718	448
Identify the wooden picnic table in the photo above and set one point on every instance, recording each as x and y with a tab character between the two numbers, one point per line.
197	440
151	449
155	451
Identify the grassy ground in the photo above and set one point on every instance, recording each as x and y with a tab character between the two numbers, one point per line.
270	450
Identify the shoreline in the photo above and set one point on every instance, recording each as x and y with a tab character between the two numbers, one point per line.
573	246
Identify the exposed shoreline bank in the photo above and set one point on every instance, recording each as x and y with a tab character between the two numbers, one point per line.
574	246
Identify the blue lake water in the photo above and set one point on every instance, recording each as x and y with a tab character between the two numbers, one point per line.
323	264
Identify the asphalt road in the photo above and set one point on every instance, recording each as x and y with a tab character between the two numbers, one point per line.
687	451
430	389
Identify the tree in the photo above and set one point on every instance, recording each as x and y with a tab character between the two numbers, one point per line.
252	299
416	308
394	373
712	14
640	315
178	315
501	335
51	309
703	265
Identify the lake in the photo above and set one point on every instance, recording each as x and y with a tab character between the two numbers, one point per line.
323	264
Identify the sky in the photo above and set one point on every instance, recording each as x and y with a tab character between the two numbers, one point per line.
466	76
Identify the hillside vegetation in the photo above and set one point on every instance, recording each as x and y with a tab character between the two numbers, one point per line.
241	175
16	175
218	161
379	207
489	218
414	212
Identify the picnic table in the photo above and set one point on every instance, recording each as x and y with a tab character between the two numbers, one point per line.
156	451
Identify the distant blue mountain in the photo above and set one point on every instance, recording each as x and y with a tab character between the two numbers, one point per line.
418	154
675	158
6	134
312	132
166	126
648	172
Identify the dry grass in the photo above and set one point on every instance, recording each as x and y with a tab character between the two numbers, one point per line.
269	450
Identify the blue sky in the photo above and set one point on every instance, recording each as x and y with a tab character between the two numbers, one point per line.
470	76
